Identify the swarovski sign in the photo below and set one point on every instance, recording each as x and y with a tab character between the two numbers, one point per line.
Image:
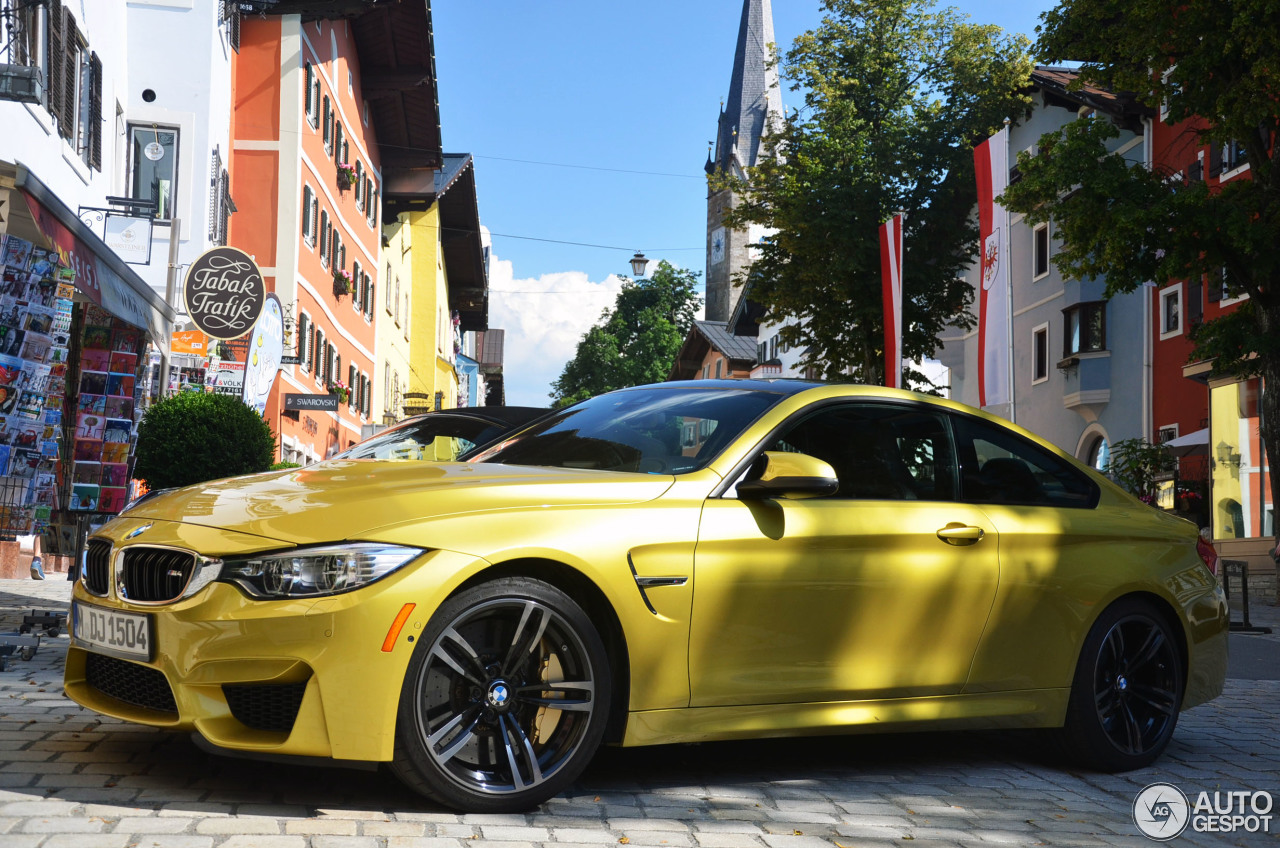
224	293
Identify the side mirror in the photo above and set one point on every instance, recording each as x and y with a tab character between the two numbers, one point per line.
788	475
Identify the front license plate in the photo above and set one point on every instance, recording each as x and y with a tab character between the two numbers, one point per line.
120	634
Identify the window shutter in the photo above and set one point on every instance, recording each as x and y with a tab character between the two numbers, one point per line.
351	387
328	122
231	12
1215	159
306	212
1213	286
70	72
304	336
373	290
95	112
356	277
227	205
53	91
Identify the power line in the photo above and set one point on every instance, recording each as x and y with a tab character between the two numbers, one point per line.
592	167
562	241
558	164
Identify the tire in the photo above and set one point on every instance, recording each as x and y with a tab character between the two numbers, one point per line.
477	729
1127	690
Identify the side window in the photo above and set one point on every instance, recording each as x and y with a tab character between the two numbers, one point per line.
1004	468
879	451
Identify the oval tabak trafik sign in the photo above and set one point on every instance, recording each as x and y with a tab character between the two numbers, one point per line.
224	293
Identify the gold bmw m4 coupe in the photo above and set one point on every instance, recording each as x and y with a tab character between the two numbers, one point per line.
680	562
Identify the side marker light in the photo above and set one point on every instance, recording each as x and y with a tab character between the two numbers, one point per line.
393	634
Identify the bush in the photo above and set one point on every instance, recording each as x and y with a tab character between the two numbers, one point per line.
193	437
281	466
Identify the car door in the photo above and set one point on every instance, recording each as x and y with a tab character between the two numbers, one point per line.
1056	555
879	591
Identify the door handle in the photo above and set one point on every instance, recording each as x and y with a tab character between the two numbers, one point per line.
961	534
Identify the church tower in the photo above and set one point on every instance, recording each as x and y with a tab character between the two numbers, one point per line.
754	104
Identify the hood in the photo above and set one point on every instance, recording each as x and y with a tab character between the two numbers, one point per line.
351	499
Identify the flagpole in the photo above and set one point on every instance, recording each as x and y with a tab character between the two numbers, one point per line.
1008	275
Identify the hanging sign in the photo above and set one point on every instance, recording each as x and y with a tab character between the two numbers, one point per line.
154	151
224	293
266	346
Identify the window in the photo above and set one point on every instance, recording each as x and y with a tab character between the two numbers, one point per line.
339	144
879	451
339	250
1085	327
351	387
220	203
1166	434
1172	88
372	203
1234	155
330	362
308	216
366	392
73	84
359	185
153	166
357	278
1002	467
386	387
325	235
317	358
719	368
313	96
1040	252
397	315
372	291
388	304
1040	354
328	125
304	342
1171	311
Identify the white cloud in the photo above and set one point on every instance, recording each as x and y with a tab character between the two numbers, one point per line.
545	318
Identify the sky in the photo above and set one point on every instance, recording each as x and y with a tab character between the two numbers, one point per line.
589	122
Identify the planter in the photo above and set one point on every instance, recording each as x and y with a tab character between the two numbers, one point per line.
341	286
345	178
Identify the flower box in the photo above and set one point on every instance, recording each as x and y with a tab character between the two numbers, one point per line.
341	283
338	389
346	175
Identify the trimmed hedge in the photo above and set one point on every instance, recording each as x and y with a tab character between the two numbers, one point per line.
194	437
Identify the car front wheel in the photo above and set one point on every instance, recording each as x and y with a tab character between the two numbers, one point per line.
505	700
1127	690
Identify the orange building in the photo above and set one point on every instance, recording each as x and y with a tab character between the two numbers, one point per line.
323	111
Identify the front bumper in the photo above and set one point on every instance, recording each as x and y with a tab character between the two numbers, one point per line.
305	677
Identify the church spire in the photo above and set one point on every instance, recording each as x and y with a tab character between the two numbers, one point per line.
753	91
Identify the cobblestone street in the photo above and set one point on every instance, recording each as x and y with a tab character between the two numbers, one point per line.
72	779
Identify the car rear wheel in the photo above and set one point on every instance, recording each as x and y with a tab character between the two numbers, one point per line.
1127	690
505	700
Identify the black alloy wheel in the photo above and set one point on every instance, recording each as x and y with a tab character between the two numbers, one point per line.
1128	690
505	700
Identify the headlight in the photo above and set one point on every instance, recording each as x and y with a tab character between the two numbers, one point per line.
310	572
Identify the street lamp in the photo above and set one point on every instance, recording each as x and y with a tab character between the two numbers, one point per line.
638	263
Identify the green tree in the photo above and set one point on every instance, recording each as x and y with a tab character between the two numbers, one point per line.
896	96
193	437
636	341
1134	225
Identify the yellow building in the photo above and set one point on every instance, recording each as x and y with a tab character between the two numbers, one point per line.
435	289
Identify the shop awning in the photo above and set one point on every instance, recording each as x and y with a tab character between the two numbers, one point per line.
31	211
1192	444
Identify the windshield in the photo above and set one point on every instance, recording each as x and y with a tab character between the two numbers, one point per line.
654	431
434	438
